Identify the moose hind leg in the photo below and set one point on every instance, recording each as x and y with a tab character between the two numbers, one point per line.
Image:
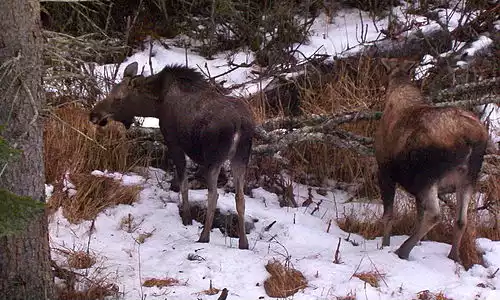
463	195
431	216
239	171
212	175
387	190
180	169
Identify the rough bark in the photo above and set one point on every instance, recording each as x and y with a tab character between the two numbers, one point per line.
25	271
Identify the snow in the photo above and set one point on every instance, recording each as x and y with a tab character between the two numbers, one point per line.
296	234
343	34
481	44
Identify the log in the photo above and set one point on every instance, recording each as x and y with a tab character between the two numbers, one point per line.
278	134
433	40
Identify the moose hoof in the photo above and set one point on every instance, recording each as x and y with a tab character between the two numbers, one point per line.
187	221
402	254
186	217
203	239
455	257
243	245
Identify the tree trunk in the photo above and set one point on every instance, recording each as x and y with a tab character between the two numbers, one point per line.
25	271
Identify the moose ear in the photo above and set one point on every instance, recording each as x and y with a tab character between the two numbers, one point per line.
136	81
131	70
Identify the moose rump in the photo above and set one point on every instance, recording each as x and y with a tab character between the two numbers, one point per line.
196	121
429	151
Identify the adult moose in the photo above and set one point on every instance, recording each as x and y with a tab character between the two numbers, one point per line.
196	121
428	151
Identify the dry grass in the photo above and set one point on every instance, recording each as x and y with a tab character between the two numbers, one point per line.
211	291
80	260
89	284
490	228
72	144
93	195
428	295
95	291
160	283
284	282
372	278
353	84
357	85
349	296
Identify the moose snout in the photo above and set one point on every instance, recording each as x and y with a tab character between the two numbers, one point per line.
97	119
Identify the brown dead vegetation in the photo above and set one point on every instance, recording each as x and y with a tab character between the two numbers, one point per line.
428	295
93	195
88	284
80	260
160	283
96	291
284	282
349	85
372	277
347	297
73	144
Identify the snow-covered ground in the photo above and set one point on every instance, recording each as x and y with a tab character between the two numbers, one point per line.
297	234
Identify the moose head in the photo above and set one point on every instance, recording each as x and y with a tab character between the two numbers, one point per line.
124	102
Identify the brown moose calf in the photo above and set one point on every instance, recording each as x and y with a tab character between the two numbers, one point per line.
428	151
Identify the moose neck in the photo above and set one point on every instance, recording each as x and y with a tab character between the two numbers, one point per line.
147	107
402	93
149	99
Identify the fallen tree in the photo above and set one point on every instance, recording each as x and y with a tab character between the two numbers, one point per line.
277	134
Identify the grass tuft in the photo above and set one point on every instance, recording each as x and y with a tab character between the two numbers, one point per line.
372	278
160	283
80	260
428	295
284	282
73	144
93	195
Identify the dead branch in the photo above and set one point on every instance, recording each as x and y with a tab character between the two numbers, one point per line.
488	85
486	99
326	120
308	135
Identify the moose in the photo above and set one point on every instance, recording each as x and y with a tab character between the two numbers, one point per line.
429	151
195	120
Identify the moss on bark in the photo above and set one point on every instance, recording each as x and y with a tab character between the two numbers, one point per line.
16	212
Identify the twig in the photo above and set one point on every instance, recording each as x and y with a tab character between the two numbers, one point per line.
337	252
268	227
150	55
494	274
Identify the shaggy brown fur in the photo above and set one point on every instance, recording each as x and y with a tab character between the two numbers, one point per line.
196	121
428	151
